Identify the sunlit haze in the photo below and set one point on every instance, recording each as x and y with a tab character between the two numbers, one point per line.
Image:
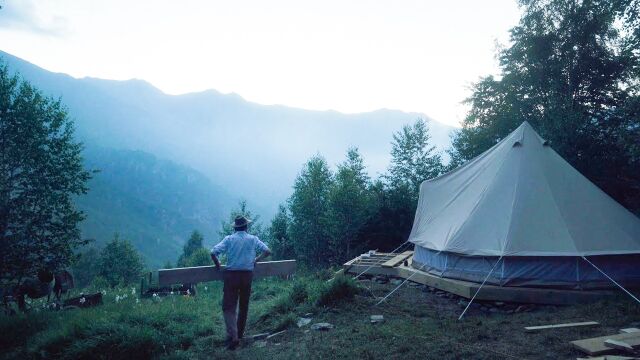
349	56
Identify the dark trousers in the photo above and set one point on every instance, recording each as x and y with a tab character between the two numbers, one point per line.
237	290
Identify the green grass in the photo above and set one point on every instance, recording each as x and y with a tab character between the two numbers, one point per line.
417	325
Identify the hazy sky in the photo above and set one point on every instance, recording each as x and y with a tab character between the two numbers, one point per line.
348	55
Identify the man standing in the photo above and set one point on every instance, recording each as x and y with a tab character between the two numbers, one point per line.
241	250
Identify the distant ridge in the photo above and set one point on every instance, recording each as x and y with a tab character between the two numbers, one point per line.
247	150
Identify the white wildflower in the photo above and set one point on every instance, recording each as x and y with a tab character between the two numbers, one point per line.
104	292
82	300
172	292
188	292
133	291
117	298
205	288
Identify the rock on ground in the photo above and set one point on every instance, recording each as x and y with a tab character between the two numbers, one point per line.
303	321
321	326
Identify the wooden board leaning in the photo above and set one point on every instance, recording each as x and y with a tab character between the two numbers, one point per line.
193	275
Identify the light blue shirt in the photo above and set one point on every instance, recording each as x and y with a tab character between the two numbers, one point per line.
241	250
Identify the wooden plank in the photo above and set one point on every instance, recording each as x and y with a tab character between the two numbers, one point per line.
373	260
619	345
539	295
629	330
193	275
488	292
367	263
460	288
609	357
558	326
595	346
453	286
351	261
398	259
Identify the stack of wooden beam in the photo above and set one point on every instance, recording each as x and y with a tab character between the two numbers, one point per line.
626	342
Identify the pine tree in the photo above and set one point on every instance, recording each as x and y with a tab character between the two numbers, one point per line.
193	244
279	239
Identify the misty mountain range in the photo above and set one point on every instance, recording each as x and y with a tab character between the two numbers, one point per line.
170	163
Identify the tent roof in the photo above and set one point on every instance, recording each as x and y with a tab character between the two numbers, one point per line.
520	198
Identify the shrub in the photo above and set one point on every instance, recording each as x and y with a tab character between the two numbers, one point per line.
99	283
200	257
283	304
120	263
337	290
299	293
285	321
288	301
324	274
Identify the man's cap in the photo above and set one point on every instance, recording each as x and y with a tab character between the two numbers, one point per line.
240	221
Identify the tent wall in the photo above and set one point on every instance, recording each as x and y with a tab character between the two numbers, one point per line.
532	271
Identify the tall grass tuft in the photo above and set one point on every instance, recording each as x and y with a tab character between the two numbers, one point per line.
339	289
299	293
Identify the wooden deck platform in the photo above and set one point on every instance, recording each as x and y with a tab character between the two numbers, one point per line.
373	265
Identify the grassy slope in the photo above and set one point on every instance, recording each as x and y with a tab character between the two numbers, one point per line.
417	325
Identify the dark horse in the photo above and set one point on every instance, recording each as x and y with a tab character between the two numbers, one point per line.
39	287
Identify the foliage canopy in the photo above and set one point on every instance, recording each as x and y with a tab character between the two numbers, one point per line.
40	172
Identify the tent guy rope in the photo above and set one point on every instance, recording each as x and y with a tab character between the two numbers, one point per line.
613	281
398	287
477	291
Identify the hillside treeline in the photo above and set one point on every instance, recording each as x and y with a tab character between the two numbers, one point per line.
571	69
333	215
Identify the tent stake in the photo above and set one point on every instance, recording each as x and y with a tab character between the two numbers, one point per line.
481	285
613	281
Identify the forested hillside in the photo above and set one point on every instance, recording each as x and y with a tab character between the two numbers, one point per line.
251	150
153	203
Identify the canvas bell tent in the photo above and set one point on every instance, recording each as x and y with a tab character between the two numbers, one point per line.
522	214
